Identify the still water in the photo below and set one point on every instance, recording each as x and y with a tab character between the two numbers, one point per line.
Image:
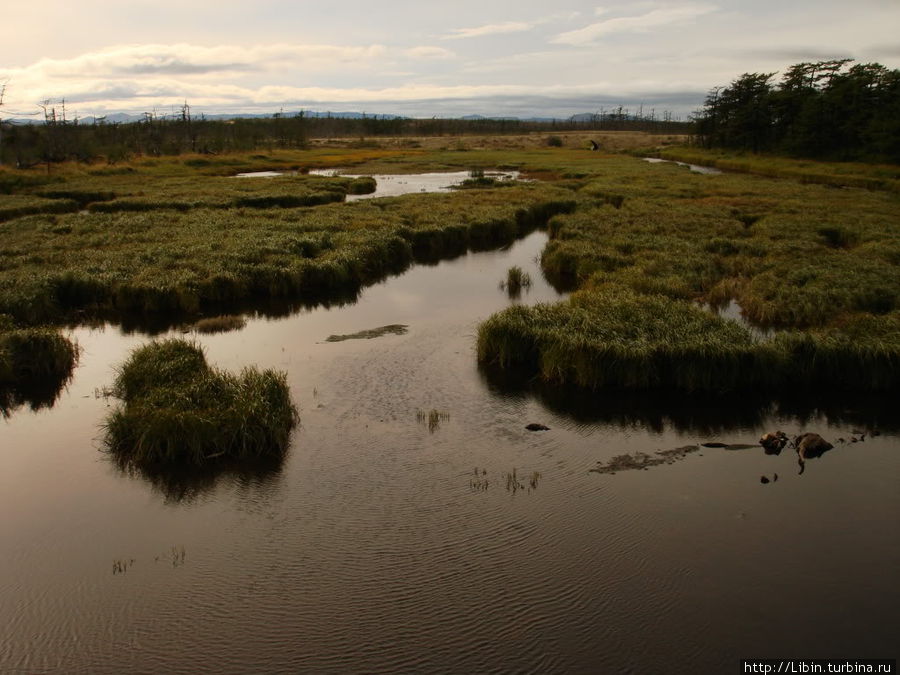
695	168
381	545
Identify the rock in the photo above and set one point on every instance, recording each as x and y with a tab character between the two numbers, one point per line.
536	427
810	445
763	480
774	477
773	443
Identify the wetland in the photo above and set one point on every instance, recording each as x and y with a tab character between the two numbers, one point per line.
413	522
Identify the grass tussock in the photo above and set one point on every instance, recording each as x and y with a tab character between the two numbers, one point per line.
515	281
179	411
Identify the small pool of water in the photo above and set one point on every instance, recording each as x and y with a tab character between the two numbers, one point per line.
696	168
264	174
394	185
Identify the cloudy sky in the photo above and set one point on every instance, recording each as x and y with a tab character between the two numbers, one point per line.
416	57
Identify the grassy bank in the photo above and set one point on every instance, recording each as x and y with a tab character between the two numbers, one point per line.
836	174
58	267
614	337
177	410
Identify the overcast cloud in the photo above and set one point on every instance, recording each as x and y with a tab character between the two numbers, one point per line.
524	58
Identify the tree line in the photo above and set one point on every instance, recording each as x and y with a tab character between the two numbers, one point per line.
57	138
838	110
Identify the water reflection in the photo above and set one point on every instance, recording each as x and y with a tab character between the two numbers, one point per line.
181	485
695	168
36	393
36	396
659	411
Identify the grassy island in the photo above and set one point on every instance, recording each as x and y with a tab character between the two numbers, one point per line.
177	410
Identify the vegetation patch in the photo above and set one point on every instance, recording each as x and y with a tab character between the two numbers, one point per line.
515	281
219	324
179	411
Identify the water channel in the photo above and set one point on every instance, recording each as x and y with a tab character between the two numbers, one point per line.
381	545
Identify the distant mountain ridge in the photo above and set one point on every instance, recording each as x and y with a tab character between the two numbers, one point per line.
128	118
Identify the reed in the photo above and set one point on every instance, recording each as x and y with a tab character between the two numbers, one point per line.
433	418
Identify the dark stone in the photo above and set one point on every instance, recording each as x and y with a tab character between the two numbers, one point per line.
536	427
763	480
774	443
811	445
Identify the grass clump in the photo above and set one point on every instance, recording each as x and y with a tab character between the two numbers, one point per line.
179	411
515	281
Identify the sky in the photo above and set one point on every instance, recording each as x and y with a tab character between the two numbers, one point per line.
423	59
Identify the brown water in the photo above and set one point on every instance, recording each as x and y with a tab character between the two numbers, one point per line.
375	547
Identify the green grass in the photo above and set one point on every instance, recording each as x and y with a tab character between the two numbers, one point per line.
179	411
813	261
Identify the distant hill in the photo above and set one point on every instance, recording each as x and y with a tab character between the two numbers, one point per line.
126	118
